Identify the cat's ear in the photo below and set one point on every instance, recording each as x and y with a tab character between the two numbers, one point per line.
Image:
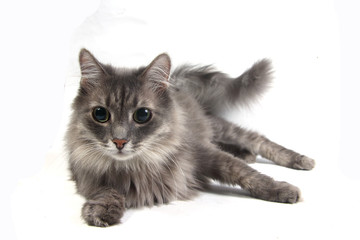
158	73
91	70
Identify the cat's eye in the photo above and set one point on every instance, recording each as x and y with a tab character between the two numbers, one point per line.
142	115
101	114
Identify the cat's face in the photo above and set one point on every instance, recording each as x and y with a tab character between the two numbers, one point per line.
123	114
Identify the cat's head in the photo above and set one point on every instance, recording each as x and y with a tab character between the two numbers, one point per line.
122	114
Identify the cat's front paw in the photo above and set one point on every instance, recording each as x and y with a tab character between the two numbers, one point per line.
103	212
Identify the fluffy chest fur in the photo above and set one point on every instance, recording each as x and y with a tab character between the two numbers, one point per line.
146	185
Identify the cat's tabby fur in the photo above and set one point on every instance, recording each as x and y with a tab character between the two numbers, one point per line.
177	151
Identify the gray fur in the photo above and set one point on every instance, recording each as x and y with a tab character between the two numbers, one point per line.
213	89
179	149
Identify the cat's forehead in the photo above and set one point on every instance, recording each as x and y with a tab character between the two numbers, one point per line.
124	77
123	87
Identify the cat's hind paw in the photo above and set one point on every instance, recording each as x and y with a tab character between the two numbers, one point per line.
303	163
286	193
274	191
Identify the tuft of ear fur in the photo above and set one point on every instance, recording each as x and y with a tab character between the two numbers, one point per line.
158	73
91	69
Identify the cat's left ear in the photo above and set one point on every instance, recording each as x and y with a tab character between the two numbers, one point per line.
92	71
158	73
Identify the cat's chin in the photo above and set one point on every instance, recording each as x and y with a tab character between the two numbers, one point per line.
120	156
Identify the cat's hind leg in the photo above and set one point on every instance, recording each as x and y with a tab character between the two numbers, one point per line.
224	167
257	144
237	151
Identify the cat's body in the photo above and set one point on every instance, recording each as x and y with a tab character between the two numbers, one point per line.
139	137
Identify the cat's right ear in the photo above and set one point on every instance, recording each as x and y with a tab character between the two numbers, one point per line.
91	70
157	73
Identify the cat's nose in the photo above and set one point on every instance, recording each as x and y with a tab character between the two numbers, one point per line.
119	143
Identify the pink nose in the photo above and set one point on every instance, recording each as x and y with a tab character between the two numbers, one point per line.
120	143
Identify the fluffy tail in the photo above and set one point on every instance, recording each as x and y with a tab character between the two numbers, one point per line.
214	89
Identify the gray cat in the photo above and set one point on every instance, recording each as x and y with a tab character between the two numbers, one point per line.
139	137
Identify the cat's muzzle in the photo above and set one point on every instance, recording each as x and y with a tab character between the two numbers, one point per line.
119	143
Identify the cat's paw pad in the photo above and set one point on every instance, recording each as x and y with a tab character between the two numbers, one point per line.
103	213
303	163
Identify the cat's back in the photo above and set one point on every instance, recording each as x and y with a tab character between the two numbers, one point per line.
196	120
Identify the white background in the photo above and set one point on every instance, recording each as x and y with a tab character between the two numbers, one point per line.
311	108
